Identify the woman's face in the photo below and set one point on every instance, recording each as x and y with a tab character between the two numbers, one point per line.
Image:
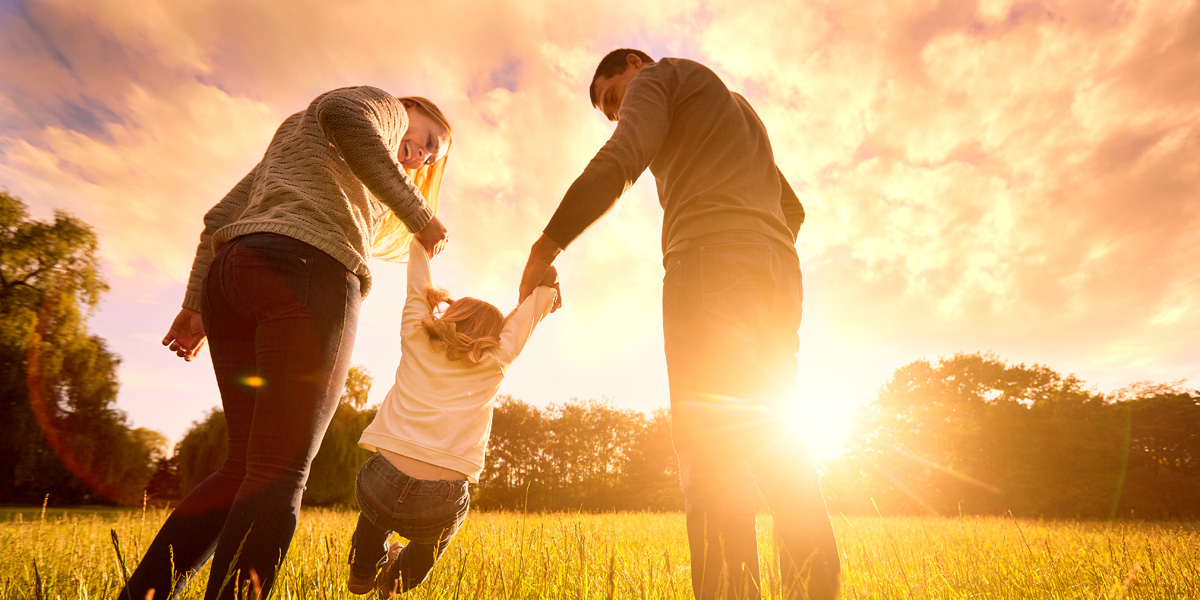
424	143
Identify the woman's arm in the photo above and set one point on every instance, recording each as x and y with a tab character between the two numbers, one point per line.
223	213
186	335
354	120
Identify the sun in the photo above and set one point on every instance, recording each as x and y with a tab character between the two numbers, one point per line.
823	413
822	425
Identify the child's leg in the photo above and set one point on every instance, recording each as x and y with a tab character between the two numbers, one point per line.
417	559
368	548
437	509
375	495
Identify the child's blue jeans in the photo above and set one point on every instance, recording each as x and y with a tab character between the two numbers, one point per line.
427	513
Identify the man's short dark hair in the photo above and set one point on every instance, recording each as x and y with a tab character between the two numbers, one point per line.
614	63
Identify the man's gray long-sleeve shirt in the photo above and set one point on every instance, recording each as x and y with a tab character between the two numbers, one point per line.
708	151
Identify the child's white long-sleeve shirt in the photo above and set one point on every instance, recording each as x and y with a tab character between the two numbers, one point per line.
439	410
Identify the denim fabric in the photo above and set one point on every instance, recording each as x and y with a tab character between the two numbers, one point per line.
731	310
280	317
427	513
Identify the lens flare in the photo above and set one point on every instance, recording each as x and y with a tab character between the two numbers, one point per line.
253	381
47	414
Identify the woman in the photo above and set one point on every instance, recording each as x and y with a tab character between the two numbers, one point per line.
276	284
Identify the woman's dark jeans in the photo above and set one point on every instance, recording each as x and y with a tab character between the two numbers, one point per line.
427	513
280	317
731	308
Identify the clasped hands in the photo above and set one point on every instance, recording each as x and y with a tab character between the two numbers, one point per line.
539	270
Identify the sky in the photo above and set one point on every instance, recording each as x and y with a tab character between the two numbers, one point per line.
1013	177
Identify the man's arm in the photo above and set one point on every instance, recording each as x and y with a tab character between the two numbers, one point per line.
793	210
642	125
541	256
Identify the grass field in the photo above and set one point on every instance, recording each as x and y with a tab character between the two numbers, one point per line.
70	554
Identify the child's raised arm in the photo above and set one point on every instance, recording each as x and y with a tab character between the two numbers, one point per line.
416	305
551	281
520	324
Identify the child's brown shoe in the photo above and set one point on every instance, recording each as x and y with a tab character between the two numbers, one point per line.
388	589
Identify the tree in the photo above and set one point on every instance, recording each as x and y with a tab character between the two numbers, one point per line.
971	434
163	487
331	477
202	450
334	468
57	381
650	473
358	385
514	457
581	455
1163	466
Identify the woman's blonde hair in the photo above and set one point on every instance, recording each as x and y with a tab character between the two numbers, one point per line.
467	329
391	240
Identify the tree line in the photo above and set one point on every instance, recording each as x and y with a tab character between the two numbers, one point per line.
969	434
972	434
964	434
581	455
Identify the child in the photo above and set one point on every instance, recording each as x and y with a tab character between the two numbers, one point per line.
431	433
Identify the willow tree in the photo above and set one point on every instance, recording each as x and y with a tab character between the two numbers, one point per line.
58	382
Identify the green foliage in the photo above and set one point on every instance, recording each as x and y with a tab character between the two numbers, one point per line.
971	434
651	473
58	382
358	386
578	456
514	453
966	435
202	450
163	487
331	480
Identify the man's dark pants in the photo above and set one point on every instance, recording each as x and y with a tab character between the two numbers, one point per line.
731	311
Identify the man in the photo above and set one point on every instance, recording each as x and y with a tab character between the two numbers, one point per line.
731	307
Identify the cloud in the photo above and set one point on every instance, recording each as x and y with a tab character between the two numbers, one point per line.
991	174
143	183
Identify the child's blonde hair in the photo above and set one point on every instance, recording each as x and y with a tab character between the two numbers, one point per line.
467	329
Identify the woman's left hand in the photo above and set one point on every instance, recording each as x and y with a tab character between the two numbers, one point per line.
186	336
433	236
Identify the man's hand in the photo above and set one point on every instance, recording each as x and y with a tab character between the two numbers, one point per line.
551	281
186	336
541	256
433	237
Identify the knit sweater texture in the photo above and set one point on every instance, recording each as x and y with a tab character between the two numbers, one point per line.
439	411
709	153
328	178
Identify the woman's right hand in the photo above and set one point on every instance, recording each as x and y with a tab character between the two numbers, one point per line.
433	236
186	336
